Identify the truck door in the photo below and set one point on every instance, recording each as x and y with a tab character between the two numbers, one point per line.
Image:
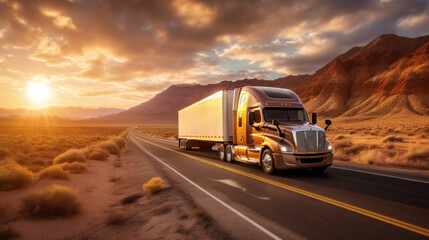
241	125
256	136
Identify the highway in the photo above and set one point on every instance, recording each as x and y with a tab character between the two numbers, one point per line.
342	203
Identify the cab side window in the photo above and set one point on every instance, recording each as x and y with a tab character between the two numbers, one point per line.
242	99
258	116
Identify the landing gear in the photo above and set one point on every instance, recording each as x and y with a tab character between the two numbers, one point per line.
183	145
267	162
229	154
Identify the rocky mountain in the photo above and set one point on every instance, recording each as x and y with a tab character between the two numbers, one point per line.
390	75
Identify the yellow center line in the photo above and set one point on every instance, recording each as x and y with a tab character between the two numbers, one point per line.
383	218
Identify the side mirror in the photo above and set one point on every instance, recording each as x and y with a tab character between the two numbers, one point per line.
251	118
327	122
313	118
275	122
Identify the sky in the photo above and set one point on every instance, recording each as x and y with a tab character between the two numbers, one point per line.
110	53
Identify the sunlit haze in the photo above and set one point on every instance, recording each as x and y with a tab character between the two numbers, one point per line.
122	53
38	93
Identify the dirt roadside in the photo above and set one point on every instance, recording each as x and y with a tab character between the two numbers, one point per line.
114	206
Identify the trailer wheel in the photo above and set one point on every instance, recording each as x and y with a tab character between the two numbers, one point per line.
181	144
222	152
229	155
267	162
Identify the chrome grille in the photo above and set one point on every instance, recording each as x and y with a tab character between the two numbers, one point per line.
309	140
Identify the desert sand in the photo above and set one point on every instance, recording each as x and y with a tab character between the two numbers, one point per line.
113	206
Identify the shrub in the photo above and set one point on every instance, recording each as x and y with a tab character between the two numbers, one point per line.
392	138
99	154
72	155
111	147
75	167
418	153
55	172
370	157
119	142
342	144
55	201
154	185
14	176
339	137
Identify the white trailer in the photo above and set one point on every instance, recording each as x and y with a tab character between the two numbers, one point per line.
207	122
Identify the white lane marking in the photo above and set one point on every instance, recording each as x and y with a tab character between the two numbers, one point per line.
272	235
383	175
234	184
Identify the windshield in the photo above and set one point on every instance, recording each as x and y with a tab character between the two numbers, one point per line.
285	114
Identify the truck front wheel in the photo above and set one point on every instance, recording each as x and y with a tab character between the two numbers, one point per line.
267	162
222	152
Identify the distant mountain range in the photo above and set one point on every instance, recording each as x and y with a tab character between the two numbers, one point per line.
389	76
72	113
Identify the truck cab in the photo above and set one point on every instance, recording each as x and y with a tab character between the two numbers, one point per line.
271	129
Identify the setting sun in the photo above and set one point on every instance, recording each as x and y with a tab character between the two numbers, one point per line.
38	92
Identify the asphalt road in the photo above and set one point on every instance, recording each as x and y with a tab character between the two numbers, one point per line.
345	202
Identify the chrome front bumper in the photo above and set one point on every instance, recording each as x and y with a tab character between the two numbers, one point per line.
290	161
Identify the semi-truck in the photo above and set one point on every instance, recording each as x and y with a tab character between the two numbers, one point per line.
264	126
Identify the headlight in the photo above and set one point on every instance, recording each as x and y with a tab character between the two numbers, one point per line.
285	149
329	146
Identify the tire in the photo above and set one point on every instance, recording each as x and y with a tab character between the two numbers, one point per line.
319	169
267	162
229	155
222	152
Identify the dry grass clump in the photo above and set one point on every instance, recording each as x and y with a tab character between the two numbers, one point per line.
160	131
371	156
55	201
75	167
55	172
418	154
154	185
339	137
72	155
7	232
342	144
392	138
98	154
111	147
14	176
119	141
29	144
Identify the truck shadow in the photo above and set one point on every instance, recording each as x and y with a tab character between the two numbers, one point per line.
293	173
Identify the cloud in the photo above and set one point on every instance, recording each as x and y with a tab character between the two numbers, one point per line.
146	45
